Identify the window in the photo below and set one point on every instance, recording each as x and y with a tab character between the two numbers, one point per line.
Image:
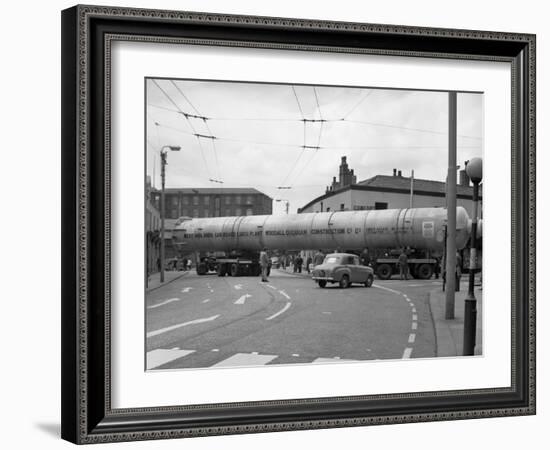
227	200
239	212
342	206
355	260
248	211
184	212
380	205
185	200
195	200
238	199
227	212
249	200
174	200
195	213
206	200
206	213
328	208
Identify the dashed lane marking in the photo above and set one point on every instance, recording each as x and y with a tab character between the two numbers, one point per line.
238	287
412	337
284	294
186	290
415	317
413	309
272	287
180	325
246	359
414	325
160	356
280	312
170	300
407	353
206	300
387	289
242	299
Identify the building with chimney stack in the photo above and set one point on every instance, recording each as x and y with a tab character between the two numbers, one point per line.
387	192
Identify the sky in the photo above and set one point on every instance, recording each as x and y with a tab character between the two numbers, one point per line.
261	139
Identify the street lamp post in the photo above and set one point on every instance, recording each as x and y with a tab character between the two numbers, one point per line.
474	171
163	152
286	203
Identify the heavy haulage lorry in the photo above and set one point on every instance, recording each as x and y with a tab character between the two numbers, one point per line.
233	244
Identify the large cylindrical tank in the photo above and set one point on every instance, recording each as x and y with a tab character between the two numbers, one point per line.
346	230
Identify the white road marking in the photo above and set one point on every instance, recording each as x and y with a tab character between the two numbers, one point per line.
295	355
387	289
412	337
415	317
170	300
327	312
407	353
336	359
414	325
242	299
187	289
238	287
162	356
255	353
184	324
413	309
272	287
245	359
284	294
280	312
211	290
215	350
206	300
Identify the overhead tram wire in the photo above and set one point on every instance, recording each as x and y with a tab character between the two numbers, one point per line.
303	146
188	122
356	105
205	120
322	121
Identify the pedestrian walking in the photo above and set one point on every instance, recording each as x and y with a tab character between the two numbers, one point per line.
308	263
318	258
298	264
403	265
264	264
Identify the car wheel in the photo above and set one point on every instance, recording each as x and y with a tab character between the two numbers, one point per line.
221	270
322	283
344	282
369	281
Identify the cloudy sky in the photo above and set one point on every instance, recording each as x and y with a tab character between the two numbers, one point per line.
262	141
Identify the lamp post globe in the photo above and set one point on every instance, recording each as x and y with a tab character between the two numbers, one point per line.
474	169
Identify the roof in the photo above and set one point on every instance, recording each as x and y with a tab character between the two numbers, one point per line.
399	184
210	191
427	186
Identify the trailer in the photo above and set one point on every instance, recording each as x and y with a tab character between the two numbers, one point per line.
241	238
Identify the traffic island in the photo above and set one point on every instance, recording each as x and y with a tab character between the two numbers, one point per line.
450	333
154	279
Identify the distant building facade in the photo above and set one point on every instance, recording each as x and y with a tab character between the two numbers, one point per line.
213	202
386	192
152	231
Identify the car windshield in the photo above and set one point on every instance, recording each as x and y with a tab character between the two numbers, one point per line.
332	260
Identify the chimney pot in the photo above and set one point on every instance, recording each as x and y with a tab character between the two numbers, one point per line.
399	173
394	172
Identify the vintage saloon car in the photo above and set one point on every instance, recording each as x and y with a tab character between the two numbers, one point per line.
342	268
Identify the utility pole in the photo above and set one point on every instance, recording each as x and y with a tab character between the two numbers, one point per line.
450	280
412	189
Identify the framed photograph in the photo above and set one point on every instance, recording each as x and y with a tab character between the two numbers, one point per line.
280	224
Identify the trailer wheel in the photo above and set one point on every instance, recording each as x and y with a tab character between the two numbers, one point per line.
370	280
322	283
234	270
344	282
384	271
201	269
221	270
425	271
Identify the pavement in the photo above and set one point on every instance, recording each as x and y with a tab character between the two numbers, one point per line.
169	276
449	333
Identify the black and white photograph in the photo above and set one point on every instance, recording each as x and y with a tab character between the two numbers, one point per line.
310	224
